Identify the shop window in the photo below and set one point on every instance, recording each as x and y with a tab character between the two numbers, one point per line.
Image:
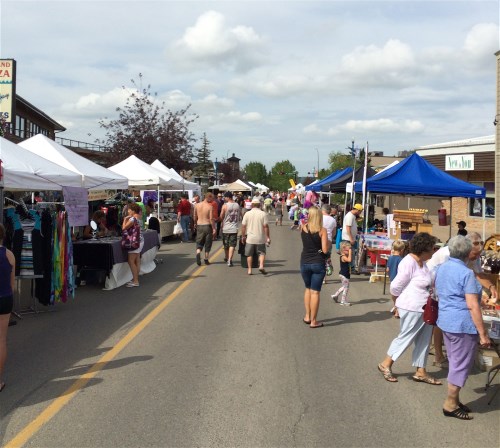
476	205
20	126
380	200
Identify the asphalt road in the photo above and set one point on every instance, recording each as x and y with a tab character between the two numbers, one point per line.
227	362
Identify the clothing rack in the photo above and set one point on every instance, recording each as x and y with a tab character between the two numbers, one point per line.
11	201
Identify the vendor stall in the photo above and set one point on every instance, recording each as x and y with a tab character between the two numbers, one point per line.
107	254
411	221
415	176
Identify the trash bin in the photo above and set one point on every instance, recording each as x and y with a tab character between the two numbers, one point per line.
442	217
244	262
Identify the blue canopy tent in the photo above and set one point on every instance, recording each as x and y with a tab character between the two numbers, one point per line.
416	176
322	185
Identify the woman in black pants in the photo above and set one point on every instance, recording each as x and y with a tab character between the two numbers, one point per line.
7	275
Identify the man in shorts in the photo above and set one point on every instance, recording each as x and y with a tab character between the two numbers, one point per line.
255	235
204	224
229	217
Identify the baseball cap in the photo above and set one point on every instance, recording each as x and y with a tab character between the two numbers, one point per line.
255	201
358	207
462	223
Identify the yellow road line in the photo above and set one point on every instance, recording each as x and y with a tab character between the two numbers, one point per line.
52	409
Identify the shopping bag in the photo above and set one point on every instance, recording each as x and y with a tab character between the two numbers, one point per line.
178	229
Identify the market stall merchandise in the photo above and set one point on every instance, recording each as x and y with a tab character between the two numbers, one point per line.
107	254
410	221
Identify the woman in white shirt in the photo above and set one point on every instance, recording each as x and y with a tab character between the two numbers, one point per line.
411	287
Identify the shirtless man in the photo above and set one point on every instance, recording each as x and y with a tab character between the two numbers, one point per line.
204	224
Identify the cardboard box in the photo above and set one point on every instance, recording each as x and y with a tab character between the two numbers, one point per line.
486	359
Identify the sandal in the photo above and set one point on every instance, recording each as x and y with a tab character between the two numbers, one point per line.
387	374
464	408
427	379
457	413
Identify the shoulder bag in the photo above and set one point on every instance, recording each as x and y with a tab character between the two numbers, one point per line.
431	309
131	237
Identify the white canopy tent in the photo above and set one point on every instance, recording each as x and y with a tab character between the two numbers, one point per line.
186	185
23	170
237	185
93	176
140	175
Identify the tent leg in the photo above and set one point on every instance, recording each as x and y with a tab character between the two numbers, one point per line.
451	215
1	205
484	219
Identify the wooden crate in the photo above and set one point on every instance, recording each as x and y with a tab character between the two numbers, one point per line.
408	216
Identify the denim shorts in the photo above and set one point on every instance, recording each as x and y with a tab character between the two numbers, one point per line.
313	275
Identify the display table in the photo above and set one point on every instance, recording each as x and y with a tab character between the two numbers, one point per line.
107	254
167	228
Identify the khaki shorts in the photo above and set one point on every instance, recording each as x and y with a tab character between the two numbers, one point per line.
252	249
204	237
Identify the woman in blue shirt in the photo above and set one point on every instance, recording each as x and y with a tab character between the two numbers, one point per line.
461	321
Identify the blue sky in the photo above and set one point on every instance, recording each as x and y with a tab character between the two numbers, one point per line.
270	80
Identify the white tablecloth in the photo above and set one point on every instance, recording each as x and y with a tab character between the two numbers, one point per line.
121	273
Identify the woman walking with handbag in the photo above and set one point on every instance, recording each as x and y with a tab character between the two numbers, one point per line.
133	220
412	287
312	264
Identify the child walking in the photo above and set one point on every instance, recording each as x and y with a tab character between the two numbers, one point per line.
397	254
345	273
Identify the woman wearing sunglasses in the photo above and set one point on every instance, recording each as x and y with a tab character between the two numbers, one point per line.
474	263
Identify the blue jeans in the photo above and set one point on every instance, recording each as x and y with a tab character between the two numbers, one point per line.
185	221
313	275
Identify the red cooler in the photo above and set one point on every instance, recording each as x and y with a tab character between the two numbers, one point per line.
442	217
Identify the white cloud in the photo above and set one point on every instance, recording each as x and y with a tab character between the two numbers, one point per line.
367	127
392	63
211	42
213	101
312	129
481	43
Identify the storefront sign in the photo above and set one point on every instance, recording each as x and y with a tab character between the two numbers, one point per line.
98	195
7	89
460	162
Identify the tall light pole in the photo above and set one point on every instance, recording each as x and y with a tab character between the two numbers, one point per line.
353	152
216	167
318	163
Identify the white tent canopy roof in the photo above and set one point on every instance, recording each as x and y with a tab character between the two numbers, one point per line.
24	170
170	171
93	176
237	185
144	176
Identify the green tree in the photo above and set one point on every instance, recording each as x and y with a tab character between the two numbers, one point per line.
203	165
281	173
256	172
147	129
339	161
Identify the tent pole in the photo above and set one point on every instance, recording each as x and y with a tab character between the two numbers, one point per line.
1	205
484	219
366	207
451	214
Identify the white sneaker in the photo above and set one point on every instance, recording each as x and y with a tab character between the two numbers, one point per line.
345	303
335	297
